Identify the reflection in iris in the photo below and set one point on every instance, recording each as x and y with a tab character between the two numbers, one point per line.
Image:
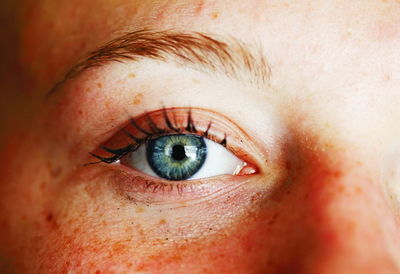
176	157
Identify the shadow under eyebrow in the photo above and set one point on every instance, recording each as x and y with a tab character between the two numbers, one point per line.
205	52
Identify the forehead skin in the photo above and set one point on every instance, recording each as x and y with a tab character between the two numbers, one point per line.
350	47
56	33
325	56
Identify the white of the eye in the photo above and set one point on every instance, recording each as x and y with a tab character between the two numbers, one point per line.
219	161
138	160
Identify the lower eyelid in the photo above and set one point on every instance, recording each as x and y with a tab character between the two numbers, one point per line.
141	188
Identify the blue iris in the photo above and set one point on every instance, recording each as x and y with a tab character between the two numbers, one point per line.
176	157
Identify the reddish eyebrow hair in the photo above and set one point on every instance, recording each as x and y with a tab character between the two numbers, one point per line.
205	52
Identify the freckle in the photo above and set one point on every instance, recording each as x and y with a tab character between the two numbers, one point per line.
99	85
163	222
139	209
139	230
119	247
273	219
183	204
49	217
137	99
358	190
199	8
195	81
351	226
107	103
131	75
54	171
42	186
214	15
129	229
241	11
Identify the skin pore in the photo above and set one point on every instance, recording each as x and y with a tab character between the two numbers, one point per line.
323	132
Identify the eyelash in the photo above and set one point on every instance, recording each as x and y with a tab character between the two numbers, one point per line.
155	132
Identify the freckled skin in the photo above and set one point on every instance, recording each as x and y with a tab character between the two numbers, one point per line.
330	212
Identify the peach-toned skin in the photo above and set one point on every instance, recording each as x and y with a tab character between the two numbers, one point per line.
325	134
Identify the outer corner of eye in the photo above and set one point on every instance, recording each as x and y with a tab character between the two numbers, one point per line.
186	157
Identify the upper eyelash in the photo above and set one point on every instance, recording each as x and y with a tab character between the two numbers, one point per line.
154	132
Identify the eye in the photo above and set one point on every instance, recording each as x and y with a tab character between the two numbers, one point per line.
178	144
182	157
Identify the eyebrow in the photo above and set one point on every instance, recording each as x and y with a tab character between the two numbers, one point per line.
205	52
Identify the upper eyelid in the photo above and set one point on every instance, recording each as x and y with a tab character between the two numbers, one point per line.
188	125
205	52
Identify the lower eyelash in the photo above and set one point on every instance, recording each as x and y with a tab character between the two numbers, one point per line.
154	132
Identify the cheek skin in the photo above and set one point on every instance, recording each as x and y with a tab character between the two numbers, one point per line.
307	225
304	226
120	239
308	231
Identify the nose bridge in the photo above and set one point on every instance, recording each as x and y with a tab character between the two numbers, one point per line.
343	205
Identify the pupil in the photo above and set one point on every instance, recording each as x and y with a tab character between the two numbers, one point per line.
178	152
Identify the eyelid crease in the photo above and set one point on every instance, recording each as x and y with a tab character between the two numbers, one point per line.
138	131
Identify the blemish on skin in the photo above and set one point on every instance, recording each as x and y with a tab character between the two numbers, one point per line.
107	103
139	209
54	171
99	85
199	8
387	78
183	204
49	217
214	15
273	219
129	229
195	81
132	75
137	99
119	247
42	186
163	222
